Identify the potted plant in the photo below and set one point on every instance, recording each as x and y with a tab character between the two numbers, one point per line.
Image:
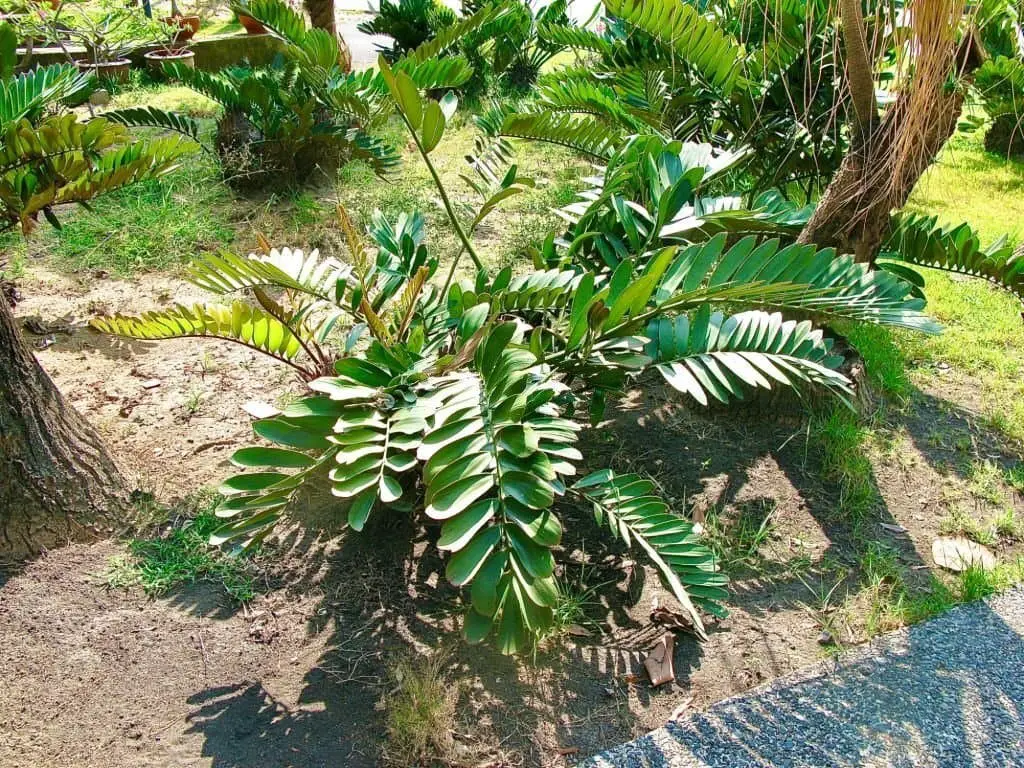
171	48
252	26
185	27
108	34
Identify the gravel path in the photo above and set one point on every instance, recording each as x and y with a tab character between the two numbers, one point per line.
948	692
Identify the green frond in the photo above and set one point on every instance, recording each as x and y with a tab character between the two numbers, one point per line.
584	134
454	34
25	95
154	118
213	85
435	74
627	504
380	155
796	277
920	241
238	322
708	216
540	291
577	38
123	166
694	38
728	357
255	501
291	269
24	144
492	466
315	47
376	445
587	96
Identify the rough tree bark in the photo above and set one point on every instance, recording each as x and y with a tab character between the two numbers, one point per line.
57	481
321	15
854	214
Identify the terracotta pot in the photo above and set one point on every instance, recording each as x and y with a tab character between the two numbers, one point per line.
187	27
111	70
252	26
155	59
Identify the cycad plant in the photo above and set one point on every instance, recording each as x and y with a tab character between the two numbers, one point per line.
409	24
304	112
758	73
49	157
458	400
665	71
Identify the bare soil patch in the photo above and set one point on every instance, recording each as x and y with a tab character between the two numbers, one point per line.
299	677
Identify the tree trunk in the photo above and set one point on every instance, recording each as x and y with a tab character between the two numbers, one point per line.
321	16
854	215
888	156
57	481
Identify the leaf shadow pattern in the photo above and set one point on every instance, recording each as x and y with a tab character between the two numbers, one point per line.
382	595
938	693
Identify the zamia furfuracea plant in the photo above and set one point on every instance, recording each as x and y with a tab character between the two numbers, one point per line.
456	399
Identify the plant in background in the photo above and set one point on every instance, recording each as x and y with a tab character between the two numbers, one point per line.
661	66
108	31
409	24
456	400
757	73
59	482
48	157
173	41
1000	85
304	113
512	48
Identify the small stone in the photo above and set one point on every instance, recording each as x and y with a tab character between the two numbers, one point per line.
100	97
956	553
260	410
825	638
151	383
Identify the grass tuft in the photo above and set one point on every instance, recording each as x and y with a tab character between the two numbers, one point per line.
182	556
843	441
420	713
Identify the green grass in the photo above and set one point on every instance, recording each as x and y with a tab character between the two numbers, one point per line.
960	523
182	556
892	603
842	440
578	602
173	98
737	540
154	225
885	363
1015	477
985	481
420	713
984	336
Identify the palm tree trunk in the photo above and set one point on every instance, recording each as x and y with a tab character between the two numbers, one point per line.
57	481
888	156
321	16
854	215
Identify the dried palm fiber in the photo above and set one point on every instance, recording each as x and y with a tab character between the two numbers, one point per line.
932	65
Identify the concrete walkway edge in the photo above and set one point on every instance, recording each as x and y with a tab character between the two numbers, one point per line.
946	692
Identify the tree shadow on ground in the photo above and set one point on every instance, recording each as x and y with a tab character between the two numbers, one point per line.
382	596
943	693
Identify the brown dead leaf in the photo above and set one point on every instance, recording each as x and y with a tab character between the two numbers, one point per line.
659	661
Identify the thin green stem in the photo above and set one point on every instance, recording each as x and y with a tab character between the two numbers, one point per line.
466	243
